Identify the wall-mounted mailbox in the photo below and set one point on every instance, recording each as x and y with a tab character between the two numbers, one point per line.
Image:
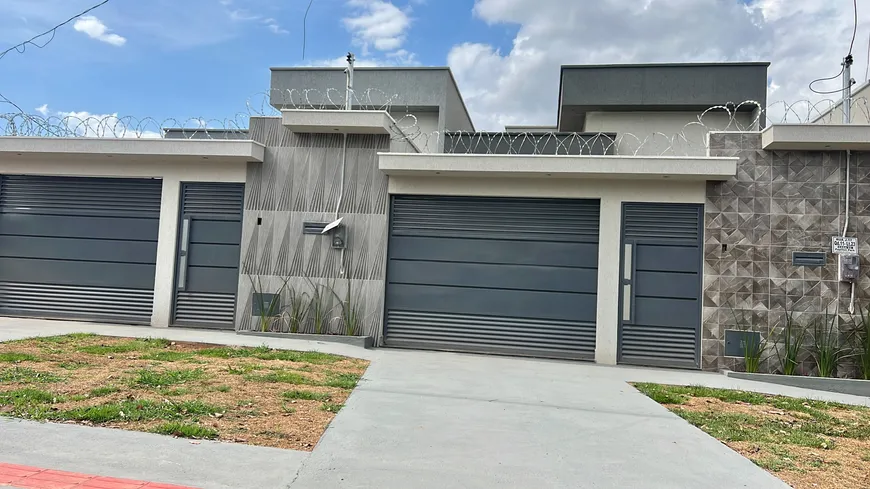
736	342
809	258
313	227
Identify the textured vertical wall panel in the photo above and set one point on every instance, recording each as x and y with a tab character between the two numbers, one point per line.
780	202
301	180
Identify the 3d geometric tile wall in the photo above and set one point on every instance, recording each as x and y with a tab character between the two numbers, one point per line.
780	202
314	177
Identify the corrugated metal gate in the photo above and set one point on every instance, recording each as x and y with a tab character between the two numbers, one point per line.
499	275
207	275
81	248
660	300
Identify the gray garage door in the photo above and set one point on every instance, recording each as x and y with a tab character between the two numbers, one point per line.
78	247
661	285
207	275
499	275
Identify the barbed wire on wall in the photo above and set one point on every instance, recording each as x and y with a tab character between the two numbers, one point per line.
684	140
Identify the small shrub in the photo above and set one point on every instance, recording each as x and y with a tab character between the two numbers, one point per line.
827	348
186	430
321	305
305	395
223	388
13	357
792	341
753	346
298	308
861	342
152	378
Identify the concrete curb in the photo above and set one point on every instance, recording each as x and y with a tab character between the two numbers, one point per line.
854	387
360	341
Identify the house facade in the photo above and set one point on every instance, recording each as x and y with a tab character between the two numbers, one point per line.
630	232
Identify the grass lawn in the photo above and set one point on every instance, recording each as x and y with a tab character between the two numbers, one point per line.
806	443
258	396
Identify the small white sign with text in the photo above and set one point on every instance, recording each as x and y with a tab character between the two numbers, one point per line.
842	245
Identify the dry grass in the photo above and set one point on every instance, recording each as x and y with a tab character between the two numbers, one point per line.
808	444
256	396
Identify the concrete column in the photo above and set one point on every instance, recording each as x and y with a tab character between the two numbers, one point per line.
607	318
164	287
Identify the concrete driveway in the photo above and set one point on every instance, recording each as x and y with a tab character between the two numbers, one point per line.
435	420
429	420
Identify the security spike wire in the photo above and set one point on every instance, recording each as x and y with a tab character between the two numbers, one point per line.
405	127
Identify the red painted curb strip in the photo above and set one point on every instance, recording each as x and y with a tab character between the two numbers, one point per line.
27	477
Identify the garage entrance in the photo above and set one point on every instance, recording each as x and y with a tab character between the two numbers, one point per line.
82	248
660	297
495	275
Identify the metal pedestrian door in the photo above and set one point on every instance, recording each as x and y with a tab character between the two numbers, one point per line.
207	270
660	297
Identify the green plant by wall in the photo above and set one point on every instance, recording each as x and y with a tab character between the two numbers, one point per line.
754	346
298	308
351	313
861	342
322	305
270	309
790	345
827	350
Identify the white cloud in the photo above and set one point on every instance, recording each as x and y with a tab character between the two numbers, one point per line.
804	40
377	23
95	29
43	109
274	26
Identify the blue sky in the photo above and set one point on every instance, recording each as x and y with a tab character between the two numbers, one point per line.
206	58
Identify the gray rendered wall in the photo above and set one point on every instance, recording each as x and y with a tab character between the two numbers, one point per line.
300	180
780	202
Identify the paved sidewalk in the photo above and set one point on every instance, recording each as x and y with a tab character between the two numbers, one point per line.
429	420
26	477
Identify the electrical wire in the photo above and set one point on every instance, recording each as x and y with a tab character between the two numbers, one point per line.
305	27
855	25
851	47
22	47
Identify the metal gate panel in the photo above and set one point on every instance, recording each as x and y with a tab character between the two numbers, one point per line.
660	300
74	247
500	275
207	276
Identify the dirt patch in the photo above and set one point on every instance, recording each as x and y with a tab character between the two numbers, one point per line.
841	460
241	396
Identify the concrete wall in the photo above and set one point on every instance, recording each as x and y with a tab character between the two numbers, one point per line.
400	89
663	87
611	195
300	180
780	202
172	174
860	113
665	133
421	127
